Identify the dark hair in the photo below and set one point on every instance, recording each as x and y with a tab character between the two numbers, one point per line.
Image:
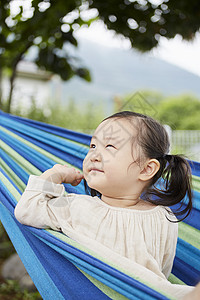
174	169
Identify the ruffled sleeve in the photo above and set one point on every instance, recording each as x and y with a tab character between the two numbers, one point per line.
43	204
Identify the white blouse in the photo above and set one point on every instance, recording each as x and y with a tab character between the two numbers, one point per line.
142	236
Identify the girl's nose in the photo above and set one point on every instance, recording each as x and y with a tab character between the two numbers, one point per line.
95	156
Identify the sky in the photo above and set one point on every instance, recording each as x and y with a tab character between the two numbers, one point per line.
176	51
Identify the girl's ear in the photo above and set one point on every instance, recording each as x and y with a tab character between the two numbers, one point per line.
150	168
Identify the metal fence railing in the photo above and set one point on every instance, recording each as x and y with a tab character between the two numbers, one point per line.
186	142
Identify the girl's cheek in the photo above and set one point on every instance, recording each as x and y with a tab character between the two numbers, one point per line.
85	162
85	159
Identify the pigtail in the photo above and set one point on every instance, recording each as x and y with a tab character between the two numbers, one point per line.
176	173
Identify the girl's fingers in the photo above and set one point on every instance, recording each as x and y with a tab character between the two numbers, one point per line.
80	176
76	182
68	174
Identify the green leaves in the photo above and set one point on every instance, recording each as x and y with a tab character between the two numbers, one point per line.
21	28
41	26
144	23
83	73
50	25
180	112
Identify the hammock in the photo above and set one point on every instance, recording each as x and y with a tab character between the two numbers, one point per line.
60	267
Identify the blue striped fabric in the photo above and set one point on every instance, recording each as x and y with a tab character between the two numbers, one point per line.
58	268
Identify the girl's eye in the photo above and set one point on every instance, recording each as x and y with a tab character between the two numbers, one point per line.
92	146
109	145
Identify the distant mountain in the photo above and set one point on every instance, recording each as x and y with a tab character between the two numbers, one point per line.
118	72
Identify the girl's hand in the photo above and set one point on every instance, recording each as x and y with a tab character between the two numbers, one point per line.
63	174
68	175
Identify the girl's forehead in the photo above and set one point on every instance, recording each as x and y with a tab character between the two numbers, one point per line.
114	129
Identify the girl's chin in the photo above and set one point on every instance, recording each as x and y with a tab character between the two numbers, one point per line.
94	187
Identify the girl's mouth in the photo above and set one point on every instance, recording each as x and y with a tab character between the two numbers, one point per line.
96	170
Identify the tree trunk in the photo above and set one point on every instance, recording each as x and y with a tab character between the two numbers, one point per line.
1	100
14	73
12	79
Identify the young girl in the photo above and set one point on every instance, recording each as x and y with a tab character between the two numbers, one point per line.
119	219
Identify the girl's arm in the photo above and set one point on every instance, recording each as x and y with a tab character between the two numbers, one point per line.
43	203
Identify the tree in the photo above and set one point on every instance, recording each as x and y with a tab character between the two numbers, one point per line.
51	25
144	102
180	112
45	29
144	22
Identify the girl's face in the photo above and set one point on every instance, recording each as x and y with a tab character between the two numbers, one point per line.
110	167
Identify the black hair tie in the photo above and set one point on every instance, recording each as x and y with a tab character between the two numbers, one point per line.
167	156
164	156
